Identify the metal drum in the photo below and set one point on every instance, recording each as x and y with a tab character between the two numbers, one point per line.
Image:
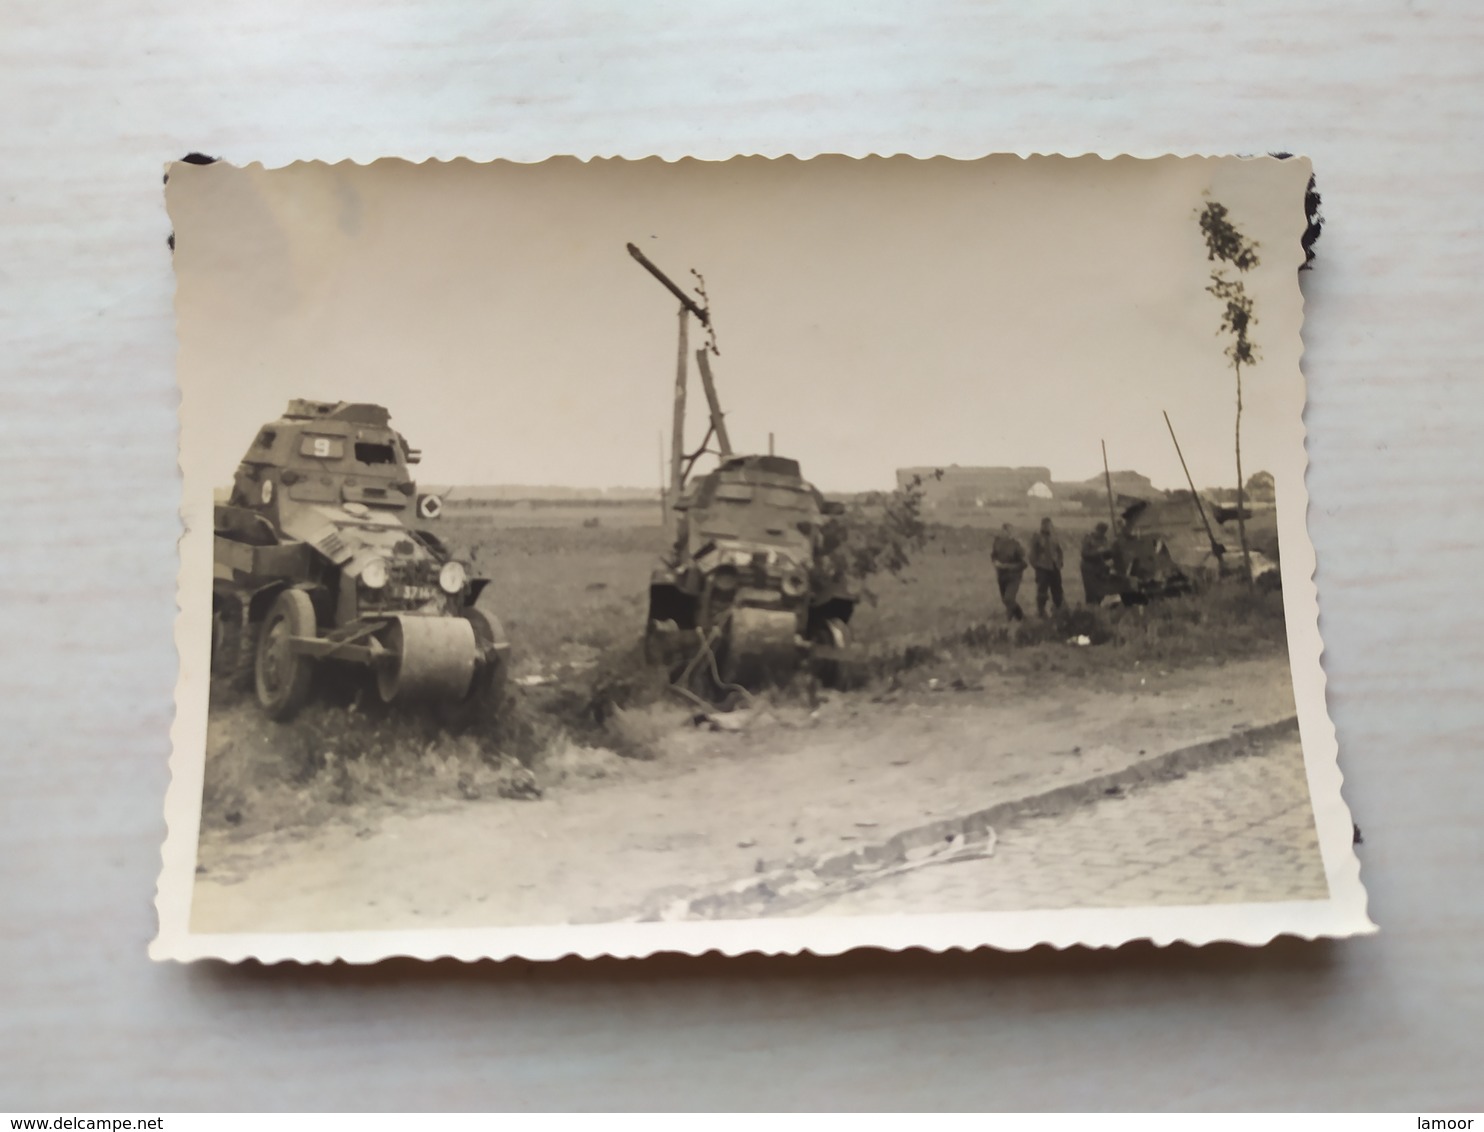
764	638
432	658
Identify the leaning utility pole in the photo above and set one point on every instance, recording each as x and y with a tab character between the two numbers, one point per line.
1216	548
1108	481
718	418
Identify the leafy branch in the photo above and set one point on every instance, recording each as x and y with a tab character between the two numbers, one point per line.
875	536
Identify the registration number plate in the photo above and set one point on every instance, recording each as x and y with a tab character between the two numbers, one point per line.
413	593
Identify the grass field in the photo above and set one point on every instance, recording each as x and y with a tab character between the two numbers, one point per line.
565	592
573	601
560	590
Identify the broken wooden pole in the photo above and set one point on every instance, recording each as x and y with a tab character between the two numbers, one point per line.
718	419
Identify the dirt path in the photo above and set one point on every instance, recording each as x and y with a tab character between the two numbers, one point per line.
718	806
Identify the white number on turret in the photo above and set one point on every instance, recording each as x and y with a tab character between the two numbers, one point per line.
322	447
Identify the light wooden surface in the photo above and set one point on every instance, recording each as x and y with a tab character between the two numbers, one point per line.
1385	95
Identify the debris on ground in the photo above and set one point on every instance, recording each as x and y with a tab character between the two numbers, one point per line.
722	721
516	782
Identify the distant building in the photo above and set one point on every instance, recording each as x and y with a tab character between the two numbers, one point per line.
1125	483
1093	492
955	488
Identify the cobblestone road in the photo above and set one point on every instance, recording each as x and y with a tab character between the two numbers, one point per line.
1238	832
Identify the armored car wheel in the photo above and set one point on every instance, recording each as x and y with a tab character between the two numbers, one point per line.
233	651
284	677
481	705
832	671
762	648
654	646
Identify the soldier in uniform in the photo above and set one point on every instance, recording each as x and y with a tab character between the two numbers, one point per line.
1008	557
1046	560
1098	576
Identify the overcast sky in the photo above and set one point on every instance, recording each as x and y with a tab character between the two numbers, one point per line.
872	314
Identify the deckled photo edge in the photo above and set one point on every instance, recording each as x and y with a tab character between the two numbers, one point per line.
1343	914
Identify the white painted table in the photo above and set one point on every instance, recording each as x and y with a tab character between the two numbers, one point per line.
1385	96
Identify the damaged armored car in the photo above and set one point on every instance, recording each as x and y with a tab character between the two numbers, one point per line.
318	560
743	580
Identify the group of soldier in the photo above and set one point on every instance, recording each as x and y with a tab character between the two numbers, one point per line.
1100	574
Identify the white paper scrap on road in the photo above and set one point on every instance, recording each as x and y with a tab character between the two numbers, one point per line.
828	553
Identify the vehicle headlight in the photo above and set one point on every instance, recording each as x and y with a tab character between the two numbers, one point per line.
794	583
374	574
725	580
452	577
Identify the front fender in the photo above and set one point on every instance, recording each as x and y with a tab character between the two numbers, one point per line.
499	640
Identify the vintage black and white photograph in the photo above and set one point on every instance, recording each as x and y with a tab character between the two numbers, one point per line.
618	556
